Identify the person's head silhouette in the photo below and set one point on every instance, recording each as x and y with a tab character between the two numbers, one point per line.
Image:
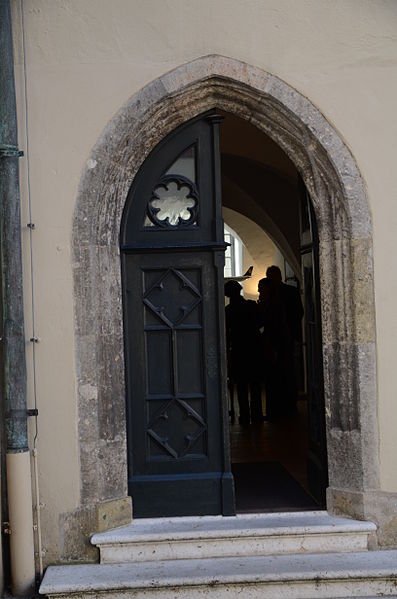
273	273
264	289
232	289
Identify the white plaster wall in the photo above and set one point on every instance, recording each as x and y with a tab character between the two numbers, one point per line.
259	250
85	58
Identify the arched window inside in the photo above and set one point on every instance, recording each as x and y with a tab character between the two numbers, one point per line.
233	253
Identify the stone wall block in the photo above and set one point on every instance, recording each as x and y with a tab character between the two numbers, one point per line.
345	502
108	215
77	528
185	75
90	186
366	360
214	66
376	506
288	97
86	369
89	472
122	124
113	473
350	390
256	79
109	305
222	66
341	378
347	295
381	508
151	94
85	299
111	387
363	290
345	468
88	412
336	300
114	513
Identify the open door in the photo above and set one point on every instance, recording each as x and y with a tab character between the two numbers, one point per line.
172	253
317	455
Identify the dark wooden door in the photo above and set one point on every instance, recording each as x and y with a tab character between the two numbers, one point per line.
317	456
172	252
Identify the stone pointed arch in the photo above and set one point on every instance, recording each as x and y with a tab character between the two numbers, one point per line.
346	270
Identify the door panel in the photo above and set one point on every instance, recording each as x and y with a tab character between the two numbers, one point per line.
317	458
175	414
172	263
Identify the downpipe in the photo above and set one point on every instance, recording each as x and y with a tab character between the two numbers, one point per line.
20	522
19	483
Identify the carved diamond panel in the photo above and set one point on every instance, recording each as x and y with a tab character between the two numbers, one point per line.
172	297
176	428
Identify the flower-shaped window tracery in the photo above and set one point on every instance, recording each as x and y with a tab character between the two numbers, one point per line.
174	202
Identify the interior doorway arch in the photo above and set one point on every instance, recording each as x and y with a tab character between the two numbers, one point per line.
265	200
346	270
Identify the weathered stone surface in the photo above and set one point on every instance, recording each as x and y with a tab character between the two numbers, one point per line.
89	472
339	200
244	535
346	502
111	413
363	290
84	294
347	296
112	472
375	505
78	526
112	514
366	365
336	299
345	466
364	574
350	394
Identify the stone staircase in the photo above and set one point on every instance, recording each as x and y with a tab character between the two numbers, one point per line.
300	555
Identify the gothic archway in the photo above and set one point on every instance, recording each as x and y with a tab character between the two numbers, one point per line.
346	270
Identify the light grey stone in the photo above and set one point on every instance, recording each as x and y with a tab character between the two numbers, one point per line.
243	535
299	576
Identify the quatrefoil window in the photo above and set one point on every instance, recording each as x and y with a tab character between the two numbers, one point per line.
174	203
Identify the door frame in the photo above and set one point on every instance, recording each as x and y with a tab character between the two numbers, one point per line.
346	270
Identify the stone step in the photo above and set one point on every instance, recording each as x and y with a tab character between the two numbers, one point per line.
303	576
242	535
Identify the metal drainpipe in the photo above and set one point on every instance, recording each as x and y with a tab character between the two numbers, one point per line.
19	484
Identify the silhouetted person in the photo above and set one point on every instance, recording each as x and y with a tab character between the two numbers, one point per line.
275	337
244	352
291	298
282	308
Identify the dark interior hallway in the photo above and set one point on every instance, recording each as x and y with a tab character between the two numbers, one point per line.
269	463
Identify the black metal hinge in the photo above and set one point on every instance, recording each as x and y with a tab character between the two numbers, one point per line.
21	413
9	151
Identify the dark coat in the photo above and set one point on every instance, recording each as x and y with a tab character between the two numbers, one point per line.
243	339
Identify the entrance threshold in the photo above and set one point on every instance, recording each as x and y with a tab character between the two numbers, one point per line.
149	539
